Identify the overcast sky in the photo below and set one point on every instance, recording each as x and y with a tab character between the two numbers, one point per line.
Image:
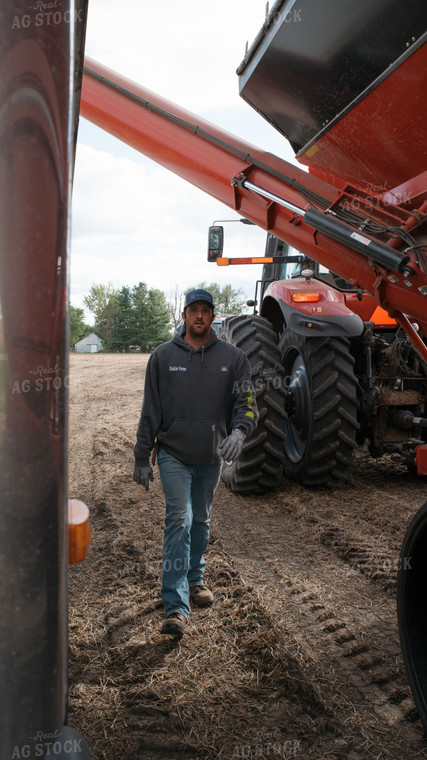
133	220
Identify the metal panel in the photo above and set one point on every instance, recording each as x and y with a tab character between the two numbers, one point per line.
36	156
380	144
315	57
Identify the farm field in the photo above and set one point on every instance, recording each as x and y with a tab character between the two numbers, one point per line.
298	658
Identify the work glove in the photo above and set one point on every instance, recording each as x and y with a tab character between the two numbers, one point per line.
231	446
143	475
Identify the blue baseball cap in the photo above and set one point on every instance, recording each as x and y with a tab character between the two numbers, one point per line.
198	295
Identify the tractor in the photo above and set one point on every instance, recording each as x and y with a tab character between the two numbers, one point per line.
331	371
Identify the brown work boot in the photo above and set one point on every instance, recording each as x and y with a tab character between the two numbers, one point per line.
201	596
174	624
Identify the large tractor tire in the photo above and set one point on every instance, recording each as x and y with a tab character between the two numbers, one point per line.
259	466
321	406
412	608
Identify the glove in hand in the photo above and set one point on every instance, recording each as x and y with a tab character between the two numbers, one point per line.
232	445
143	475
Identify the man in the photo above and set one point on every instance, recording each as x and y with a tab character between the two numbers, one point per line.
198	408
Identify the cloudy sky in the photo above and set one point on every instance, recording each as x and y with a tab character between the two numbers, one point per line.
133	220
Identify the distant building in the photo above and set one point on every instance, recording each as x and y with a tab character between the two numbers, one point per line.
91	344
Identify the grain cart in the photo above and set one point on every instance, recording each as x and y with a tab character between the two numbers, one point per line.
344	336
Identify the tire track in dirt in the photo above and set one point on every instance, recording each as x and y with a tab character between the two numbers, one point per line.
343	625
301	645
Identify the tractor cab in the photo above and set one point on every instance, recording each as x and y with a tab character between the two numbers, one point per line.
291	263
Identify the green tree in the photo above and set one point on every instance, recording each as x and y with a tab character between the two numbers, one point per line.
78	327
152	318
227	300
102	302
123	331
158	320
131	316
139	301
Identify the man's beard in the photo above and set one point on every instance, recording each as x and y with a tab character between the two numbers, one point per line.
199	333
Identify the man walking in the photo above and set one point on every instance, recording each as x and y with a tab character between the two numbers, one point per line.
198	409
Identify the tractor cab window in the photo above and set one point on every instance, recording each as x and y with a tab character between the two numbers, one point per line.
325	275
334	279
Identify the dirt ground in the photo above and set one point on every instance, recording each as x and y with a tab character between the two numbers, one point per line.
298	658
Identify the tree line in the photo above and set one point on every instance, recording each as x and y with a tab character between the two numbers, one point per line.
139	317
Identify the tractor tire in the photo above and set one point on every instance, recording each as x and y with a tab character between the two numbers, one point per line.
411	608
321	406
259	466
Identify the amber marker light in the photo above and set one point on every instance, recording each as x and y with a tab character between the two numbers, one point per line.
305	297
224	262
78	531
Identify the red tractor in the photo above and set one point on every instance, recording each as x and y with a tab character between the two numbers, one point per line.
331	370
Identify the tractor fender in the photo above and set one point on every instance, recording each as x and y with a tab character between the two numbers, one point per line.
312	308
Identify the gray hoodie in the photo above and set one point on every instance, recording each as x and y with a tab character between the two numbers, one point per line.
193	399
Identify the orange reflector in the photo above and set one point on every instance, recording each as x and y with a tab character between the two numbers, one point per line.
78	531
305	297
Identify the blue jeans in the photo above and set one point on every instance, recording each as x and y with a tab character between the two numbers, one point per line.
189	491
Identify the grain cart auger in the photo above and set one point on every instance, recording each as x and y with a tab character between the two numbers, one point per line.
338	349
41	61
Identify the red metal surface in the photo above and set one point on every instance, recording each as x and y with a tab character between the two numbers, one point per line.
368	310
380	144
34	199
331	303
211	166
421	454
37	70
